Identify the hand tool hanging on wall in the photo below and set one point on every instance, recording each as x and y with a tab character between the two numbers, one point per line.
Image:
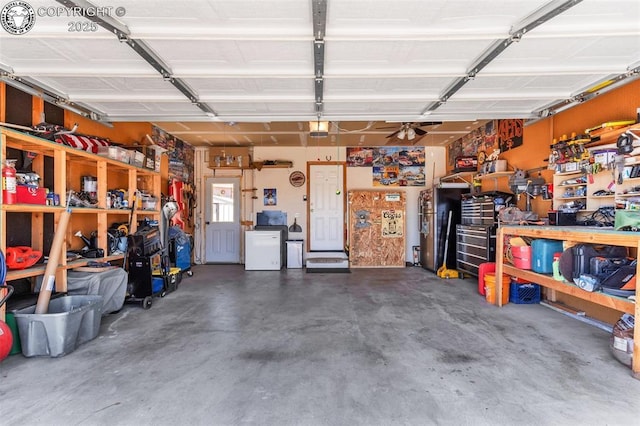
295	227
619	160
49	278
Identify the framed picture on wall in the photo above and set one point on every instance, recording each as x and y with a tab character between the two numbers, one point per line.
270	197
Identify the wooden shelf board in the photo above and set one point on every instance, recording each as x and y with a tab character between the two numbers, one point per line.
18	274
277	166
32	208
613	302
86	210
572	185
494	175
627	195
37	270
233	167
571	198
577	172
118	211
84	262
146	172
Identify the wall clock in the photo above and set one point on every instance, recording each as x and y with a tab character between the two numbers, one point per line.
297	178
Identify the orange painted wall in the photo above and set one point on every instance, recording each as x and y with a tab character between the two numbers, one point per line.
618	104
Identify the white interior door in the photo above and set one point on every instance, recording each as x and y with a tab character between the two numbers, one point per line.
222	222
326	207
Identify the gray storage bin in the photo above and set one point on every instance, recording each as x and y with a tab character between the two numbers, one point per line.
70	322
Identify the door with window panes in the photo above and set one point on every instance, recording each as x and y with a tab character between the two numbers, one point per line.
222	220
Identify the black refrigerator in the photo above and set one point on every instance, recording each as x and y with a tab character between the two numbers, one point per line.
434	207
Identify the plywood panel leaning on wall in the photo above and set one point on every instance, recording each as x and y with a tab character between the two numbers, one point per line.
376	228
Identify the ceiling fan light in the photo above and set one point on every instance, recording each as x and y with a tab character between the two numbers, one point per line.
318	129
411	134
401	134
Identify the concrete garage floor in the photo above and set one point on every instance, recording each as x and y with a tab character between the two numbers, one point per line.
374	347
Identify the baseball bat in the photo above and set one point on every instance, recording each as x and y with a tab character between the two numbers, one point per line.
49	278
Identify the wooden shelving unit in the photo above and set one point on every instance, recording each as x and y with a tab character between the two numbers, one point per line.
579	234
602	181
69	165
560	189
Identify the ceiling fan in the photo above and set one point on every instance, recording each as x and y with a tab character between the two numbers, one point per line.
410	130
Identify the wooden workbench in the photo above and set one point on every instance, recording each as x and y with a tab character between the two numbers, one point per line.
577	234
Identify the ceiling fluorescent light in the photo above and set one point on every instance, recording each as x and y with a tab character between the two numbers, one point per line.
318	129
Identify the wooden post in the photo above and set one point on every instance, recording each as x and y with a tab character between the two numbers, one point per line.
499	260
635	366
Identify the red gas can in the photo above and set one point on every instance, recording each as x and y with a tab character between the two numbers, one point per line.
483	269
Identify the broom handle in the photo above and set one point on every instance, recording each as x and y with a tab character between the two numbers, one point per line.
49	278
446	241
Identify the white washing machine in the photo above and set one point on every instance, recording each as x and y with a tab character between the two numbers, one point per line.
262	251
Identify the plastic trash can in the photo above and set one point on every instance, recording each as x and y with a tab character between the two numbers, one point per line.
294	254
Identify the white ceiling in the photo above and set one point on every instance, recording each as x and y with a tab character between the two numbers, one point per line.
251	61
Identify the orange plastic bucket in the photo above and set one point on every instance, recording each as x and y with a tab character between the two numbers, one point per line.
490	288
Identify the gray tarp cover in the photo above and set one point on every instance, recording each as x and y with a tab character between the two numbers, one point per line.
110	284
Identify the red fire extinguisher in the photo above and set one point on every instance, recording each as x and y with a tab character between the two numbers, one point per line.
9	191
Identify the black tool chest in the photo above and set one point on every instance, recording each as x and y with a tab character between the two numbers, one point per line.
478	211
476	245
476	235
